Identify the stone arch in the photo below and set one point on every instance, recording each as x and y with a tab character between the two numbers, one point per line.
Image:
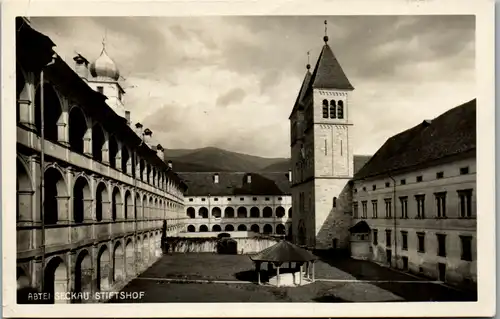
77	126
145	207
128	206
280	212
229	227
268	229
325	109
203	212
280	229
290	212
203	228
55	195
52	111
125	160
216	228
83	272
82	200
138	206
340	110
56	279
98	140
229	212
118	262
267	212
333	106
24	191
242	227
103	268
242	212
254	212
216	212
116	203
255	228
146	248
190	212
156	208
101	201
112	151
129	258
191	229
150	208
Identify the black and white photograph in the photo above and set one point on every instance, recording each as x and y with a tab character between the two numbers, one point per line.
315	159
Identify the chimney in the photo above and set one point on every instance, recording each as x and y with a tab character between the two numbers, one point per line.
249	178
169	163
127	117
290	175
216	178
159	152
81	66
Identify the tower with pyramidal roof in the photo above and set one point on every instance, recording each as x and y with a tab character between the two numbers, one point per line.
322	155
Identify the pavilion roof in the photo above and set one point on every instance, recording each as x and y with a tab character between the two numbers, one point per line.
284	251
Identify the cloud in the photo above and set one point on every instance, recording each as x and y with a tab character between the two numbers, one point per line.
235	95
231	82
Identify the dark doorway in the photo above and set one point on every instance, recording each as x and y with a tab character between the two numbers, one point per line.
442	271
405	263
334	243
388	254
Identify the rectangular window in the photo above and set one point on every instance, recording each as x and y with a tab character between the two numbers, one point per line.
441	238
355	209
403	182
375	237
388	238
203	199
100	89
419	179
242	199
420	206
466	242
267	199
387	184
355	190
404	241
228	199
465	196
404	206
388	207
364	207
216	199
254	199
374	209
439	175
364	189
190	199
464	170
440	204
280	198
421	242
374	187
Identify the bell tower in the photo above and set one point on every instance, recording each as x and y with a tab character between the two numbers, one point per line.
322	155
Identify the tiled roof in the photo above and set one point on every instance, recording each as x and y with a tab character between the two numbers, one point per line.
284	251
328	73
360	161
452	133
202	184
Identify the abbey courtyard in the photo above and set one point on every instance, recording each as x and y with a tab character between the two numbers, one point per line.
103	213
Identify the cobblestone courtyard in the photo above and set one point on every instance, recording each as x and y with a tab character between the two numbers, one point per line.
206	277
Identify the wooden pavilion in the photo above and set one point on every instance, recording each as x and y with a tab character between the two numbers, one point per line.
285	252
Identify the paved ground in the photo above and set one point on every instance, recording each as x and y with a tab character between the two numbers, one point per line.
206	277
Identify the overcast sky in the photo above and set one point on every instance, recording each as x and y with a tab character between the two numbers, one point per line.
231	82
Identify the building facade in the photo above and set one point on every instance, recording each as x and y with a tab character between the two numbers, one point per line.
227	202
94	199
418	197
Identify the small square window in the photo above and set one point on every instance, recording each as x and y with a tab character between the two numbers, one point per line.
267	198
203	199
242	199
355	190
216	199
403	182
279	198
229	199
254	199
190	199
439	175
387	184
464	170
364	189
374	187
419	178
100	89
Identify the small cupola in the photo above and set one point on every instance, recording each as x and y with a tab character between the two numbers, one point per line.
104	66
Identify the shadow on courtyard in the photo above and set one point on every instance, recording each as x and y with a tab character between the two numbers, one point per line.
419	290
